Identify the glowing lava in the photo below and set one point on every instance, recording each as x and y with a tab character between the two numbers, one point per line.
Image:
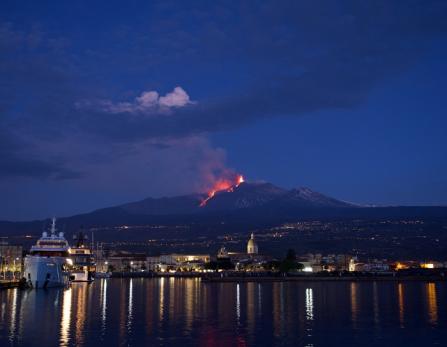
223	184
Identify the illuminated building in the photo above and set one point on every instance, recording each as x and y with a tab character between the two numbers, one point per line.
10	259
223	253
432	265
127	262
252	246
178	262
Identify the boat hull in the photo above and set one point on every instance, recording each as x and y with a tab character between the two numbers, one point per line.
81	276
103	274
45	272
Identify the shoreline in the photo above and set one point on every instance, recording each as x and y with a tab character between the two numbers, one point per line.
215	278
8	284
205	278
326	279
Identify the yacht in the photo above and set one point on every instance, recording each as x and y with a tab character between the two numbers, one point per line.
82	259
47	264
102	268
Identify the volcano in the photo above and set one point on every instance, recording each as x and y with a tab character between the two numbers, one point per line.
236	205
242	195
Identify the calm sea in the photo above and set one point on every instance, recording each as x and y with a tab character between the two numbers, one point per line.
186	312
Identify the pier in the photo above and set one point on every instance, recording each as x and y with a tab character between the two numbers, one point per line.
6	284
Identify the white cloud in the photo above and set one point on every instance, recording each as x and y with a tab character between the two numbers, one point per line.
148	99
177	98
147	102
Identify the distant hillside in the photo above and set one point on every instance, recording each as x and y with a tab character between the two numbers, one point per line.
247	205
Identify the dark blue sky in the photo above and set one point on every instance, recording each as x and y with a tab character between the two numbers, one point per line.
107	102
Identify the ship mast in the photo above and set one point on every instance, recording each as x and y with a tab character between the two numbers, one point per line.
53	226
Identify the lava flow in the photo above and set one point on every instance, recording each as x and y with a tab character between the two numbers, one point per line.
223	184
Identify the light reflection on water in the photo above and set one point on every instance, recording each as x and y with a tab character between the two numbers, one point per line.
400	288
12	329
162	311
66	317
103	296
432	303
130	307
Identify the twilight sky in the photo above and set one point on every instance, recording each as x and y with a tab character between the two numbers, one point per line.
105	102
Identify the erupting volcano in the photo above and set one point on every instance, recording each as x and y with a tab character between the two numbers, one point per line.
223	184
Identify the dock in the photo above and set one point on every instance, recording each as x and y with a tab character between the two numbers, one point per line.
7	284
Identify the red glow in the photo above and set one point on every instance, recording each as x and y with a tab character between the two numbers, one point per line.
223	184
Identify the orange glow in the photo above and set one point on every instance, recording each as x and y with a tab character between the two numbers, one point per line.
428	266
401	266
223	184
240	179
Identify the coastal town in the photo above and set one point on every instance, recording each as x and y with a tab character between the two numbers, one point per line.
226	264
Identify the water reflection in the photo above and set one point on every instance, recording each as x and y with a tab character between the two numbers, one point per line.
2	313
13	319
400	296
103	296
309	316
354	305
161	301
66	318
250	299
187	312
130	306
432	304
81	316
376	306
189	304
309	304
238	303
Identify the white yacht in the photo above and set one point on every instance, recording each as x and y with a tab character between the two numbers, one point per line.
83	261
47	264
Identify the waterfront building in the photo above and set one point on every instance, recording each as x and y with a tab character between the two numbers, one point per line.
10	260
178	262
432	265
252	246
126	262
223	253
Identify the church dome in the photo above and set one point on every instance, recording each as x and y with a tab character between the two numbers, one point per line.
252	246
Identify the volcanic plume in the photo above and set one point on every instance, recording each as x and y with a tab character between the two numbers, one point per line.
223	184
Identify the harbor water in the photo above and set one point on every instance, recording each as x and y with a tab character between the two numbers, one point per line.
187	312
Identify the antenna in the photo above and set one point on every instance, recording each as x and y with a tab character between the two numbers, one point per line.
53	226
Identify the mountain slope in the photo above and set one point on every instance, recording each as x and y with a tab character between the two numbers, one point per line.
308	198
246	195
178	205
248	205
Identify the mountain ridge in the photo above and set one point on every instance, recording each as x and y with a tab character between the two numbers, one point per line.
249	204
